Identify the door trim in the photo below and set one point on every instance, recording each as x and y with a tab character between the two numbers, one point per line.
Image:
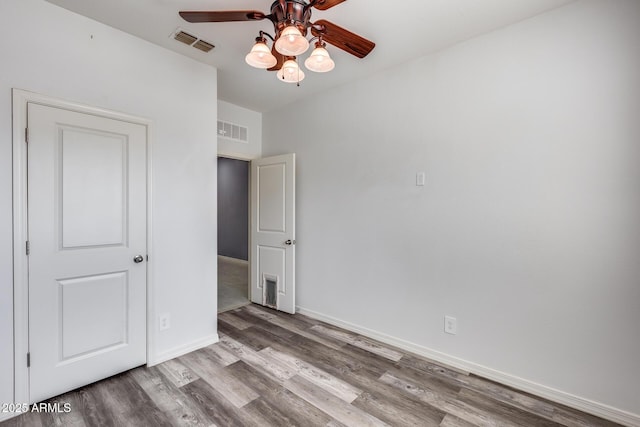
20	99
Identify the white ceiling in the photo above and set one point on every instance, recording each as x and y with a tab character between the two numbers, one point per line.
402	30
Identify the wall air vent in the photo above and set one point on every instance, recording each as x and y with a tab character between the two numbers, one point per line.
232	131
191	40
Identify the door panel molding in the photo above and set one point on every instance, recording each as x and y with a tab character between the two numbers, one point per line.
20	100
107	149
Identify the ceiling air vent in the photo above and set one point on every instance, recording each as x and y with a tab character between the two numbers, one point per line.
234	132
203	45
191	40
185	38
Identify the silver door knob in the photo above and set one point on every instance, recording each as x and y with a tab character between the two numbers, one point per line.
138	259
290	242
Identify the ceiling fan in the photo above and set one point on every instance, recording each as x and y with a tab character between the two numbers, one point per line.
291	22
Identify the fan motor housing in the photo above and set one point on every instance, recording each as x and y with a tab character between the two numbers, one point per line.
293	10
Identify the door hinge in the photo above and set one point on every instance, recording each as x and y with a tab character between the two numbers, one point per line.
28	360
28	247
26	135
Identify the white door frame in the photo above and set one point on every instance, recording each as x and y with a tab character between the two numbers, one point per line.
20	224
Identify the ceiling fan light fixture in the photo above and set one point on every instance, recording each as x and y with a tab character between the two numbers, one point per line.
319	61
260	55
291	42
292	23
290	72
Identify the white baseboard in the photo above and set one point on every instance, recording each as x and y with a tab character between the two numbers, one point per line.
182	350
576	402
235	260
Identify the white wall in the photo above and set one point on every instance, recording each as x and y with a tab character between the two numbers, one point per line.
51	51
528	230
240	116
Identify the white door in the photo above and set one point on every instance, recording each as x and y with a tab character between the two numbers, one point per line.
87	223
273	232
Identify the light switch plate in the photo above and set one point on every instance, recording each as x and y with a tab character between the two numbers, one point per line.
420	179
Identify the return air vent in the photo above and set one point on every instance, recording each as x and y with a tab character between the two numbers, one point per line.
185	38
232	131
203	45
191	40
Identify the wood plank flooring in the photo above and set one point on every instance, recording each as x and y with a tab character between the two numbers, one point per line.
274	369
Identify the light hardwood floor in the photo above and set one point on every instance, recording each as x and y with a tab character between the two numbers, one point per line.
274	369
233	283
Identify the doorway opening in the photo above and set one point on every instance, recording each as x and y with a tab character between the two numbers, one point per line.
233	233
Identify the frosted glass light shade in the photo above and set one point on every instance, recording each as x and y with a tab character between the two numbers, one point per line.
261	56
291	42
290	72
319	61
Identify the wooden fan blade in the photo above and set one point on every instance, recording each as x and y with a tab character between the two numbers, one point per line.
326	4
279	57
341	38
223	16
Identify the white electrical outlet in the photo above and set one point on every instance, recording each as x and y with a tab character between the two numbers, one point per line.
164	321
450	325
